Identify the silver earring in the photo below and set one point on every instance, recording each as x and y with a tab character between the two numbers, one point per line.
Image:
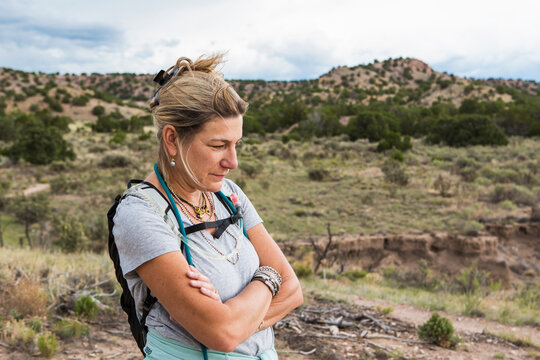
173	163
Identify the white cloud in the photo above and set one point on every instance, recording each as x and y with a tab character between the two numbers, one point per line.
272	40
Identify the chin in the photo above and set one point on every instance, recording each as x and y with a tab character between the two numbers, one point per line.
215	186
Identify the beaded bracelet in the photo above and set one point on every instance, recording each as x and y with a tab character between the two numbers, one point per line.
270	277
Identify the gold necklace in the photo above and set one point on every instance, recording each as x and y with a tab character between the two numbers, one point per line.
200	210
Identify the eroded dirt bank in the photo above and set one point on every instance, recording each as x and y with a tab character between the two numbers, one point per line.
507	252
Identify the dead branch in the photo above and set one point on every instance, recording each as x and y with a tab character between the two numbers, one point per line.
114	356
384	336
312	351
320	335
379	346
321	254
379	323
115	332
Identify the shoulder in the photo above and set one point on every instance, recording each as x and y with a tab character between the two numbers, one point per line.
229	187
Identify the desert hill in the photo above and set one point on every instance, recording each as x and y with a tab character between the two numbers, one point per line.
404	81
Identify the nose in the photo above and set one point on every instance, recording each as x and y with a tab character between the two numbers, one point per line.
230	161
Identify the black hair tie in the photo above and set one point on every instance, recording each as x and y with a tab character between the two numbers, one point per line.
162	80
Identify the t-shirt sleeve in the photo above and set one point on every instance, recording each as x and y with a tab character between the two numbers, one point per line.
141	234
251	217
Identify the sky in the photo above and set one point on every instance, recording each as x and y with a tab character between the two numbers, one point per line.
272	40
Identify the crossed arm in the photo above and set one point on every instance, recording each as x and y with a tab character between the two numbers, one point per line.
189	298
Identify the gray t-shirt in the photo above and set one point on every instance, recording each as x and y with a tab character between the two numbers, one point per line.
141	234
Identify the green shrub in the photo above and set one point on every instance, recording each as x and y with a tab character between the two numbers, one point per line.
464	130
442	184
438	330
40	144
145	135
355	274
471	280
395	173
519	195
114	161
35	324
242	183
57	166
98	110
251	169
86	307
64	185
318	174
80	100
68	329
466	168
119	137
70	236
301	269
98	148
393	140
398	156
16	334
529	296
47	344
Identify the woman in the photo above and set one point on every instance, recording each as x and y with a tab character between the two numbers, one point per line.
237	287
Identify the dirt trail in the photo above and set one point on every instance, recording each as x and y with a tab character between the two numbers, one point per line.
462	324
36	188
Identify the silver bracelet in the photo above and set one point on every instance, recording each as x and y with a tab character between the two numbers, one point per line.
270	277
271	270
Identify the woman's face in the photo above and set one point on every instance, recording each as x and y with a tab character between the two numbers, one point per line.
212	152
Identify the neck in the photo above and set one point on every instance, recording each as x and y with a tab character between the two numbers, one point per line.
191	195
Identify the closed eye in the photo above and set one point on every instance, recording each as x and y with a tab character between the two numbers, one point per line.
218	146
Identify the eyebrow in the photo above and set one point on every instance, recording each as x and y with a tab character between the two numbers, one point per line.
224	140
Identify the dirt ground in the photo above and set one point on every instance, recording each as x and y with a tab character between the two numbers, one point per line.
324	329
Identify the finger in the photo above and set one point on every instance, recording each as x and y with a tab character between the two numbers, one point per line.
196	283
210	293
196	275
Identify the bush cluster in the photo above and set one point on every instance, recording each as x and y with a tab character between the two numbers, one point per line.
36	138
438	330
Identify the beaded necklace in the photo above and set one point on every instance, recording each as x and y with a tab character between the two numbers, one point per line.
208	199
234	256
200	210
231	257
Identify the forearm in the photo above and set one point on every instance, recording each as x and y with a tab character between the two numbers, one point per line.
289	297
220	326
248	309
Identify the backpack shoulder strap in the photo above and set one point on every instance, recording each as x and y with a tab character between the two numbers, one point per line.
127	302
149	193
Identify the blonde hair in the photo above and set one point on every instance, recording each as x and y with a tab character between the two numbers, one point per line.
195	94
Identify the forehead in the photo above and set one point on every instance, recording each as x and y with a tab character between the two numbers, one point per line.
229	128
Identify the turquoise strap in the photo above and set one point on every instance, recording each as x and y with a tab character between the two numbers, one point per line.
175	211
181	226
183	231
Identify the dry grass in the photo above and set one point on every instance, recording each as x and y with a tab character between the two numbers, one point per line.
27	297
498	305
16	334
59	272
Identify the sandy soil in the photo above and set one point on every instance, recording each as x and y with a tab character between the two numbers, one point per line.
310	339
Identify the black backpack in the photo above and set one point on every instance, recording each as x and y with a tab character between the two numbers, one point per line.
138	327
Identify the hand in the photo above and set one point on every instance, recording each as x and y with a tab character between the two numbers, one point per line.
200	281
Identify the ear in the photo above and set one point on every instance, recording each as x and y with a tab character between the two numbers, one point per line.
169	137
